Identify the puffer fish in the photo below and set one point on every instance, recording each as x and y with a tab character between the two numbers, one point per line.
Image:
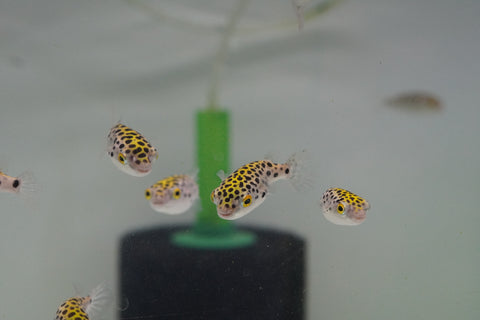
246	188
130	151
84	308
416	100
22	184
343	207
173	195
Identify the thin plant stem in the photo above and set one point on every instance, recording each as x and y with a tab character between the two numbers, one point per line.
222	53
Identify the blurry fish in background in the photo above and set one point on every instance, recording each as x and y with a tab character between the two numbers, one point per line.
416	100
246	188
85	308
23	185
130	151
343	207
173	195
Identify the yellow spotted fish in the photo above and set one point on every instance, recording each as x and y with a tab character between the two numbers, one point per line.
84	308
343	207
130	151
173	195
246	188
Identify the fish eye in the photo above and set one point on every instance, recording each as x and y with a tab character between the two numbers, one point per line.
148	194
340	208
247	201
121	158
176	193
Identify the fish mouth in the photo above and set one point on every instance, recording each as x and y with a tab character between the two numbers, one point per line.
143	170
359	216
160	202
225	213
159	199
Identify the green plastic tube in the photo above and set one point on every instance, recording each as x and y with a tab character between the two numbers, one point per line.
210	231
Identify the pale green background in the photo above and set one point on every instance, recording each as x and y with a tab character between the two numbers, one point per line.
69	69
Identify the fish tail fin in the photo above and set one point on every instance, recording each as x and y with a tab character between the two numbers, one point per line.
301	176
28	183
100	297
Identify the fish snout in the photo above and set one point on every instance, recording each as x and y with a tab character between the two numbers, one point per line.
142	167
225	213
159	198
359	215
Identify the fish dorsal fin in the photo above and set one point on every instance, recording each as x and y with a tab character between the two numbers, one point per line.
221	174
270	156
193	173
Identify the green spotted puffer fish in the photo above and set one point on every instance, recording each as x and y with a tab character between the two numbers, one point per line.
246	188
84	308
173	195
22	184
343	207
130	151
